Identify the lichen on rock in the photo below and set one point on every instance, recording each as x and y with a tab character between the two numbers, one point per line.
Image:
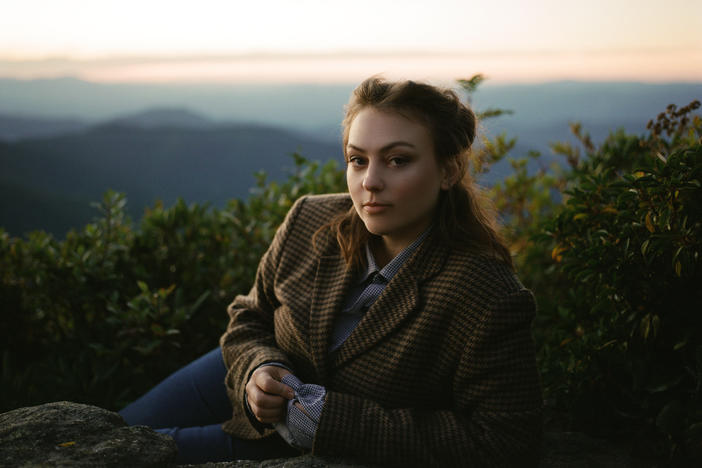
72	434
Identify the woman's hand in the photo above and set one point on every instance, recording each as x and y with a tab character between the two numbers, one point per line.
268	397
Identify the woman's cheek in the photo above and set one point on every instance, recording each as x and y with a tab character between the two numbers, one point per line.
413	184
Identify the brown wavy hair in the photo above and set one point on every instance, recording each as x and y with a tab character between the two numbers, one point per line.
464	217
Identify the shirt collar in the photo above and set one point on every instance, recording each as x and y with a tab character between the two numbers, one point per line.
389	270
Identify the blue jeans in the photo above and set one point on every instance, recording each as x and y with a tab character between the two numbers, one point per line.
190	405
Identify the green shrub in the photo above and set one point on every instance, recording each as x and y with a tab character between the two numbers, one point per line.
610	244
621	334
103	315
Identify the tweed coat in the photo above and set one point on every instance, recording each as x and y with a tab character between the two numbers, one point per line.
440	371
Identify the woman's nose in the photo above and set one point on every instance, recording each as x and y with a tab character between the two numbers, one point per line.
372	181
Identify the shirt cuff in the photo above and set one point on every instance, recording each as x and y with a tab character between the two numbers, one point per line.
301	425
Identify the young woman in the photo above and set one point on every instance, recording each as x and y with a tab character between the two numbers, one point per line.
385	325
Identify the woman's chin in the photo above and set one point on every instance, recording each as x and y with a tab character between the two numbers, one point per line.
375	229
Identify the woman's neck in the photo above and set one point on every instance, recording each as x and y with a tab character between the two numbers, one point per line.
383	251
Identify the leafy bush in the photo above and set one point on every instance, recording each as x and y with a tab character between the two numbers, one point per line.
621	343
103	315
610	244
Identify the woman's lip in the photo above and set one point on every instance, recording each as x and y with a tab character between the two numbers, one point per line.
372	208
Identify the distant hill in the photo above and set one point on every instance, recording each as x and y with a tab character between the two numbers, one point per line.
318	108
307	107
48	183
13	127
166	117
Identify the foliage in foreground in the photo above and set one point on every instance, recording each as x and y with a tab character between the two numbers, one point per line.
610	243
103	315
621	323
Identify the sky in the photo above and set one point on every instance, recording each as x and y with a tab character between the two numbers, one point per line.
335	41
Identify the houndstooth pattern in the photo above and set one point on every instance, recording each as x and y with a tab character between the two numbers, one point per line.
440	371
300	427
370	284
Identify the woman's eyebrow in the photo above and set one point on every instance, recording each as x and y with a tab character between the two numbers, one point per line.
385	148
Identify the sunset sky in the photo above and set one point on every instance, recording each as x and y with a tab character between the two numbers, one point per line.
334	41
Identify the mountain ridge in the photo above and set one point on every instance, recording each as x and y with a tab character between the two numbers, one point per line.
205	165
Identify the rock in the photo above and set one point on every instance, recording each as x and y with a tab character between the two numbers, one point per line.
304	461
561	450
71	434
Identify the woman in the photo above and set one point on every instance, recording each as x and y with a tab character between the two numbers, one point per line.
387	325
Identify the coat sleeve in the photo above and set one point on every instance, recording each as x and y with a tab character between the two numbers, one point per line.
494	418
249	340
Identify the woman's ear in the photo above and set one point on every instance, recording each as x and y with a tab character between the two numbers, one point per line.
449	174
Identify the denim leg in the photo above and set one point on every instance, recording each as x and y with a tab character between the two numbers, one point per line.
190	405
194	395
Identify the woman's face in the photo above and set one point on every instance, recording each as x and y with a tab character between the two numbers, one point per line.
393	175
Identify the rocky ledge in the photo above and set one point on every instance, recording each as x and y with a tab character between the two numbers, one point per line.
71	434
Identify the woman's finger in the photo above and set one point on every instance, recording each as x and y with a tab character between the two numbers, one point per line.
264	380
264	400
268	415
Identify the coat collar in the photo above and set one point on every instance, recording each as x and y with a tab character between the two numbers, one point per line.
398	300
331	285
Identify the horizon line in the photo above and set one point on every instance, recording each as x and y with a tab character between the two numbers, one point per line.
9	56
487	83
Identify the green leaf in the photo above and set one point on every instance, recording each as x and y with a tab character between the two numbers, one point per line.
680	344
471	85
644	247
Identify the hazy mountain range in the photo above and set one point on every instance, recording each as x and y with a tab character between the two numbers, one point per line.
163	154
63	142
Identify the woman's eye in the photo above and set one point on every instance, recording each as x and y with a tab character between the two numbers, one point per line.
356	161
398	161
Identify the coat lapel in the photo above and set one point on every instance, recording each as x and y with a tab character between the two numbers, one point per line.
330	287
396	303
